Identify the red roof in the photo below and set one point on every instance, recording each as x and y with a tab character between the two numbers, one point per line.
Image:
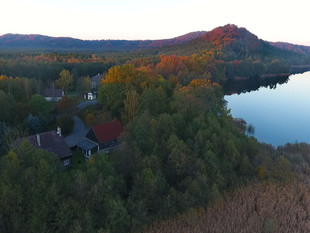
108	131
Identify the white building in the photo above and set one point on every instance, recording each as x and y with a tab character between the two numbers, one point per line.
91	96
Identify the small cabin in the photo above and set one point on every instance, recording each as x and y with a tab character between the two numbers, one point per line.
53	94
53	142
104	137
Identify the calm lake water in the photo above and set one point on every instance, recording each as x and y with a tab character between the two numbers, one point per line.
279	113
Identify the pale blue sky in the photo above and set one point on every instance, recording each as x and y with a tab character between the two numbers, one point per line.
273	20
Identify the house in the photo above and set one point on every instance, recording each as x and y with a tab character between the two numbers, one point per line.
101	137
53	142
91	96
53	94
95	81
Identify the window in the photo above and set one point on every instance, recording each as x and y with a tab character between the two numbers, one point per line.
67	162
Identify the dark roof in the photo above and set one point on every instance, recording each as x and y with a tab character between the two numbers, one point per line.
54	93
51	142
86	144
108	131
96	78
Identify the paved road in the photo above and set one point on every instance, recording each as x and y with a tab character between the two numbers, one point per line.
84	104
78	133
79	130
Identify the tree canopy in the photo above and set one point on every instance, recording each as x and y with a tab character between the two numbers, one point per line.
65	81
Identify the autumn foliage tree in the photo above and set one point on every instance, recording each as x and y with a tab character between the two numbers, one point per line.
121	87
129	76
66	106
65	81
83	85
131	104
172	65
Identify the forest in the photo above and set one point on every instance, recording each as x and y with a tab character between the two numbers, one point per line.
183	157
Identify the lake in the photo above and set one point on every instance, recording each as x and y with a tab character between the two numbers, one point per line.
279	111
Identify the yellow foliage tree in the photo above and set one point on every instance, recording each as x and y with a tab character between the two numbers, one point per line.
65	81
131	104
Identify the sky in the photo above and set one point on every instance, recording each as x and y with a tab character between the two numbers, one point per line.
271	20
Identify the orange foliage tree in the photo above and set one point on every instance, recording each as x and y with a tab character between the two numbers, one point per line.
172	65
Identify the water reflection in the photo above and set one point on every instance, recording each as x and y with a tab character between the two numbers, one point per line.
242	86
279	113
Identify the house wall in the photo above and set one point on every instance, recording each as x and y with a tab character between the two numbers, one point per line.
94	85
106	147
53	98
67	161
91	96
108	144
88	153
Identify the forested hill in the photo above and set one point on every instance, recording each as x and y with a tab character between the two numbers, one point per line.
292	47
45	43
227	52
231	42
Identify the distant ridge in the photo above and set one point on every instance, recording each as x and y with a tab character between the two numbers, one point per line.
292	47
226	52
239	39
234	42
47	43
229	39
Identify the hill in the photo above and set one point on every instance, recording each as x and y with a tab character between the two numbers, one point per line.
229	33
237	39
226	52
229	42
292	47
47	43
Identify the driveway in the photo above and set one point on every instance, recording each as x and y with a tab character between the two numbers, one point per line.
78	133
84	104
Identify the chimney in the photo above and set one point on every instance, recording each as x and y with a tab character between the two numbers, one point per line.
38	140
58	131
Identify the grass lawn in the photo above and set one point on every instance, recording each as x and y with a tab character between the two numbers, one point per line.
72	94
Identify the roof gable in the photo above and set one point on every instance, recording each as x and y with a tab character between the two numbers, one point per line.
86	144
54	93
108	131
96	78
51	142
91	136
